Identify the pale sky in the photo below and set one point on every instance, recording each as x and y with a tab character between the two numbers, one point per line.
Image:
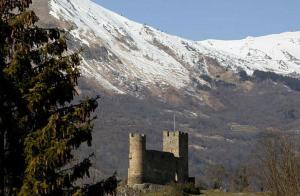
212	19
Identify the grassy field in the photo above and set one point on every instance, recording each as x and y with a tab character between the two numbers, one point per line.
175	192
218	193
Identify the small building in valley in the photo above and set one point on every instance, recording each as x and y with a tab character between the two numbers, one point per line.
158	167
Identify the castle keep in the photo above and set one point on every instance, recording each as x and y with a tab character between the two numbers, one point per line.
158	167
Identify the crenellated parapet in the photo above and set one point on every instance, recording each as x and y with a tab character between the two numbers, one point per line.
175	133
137	135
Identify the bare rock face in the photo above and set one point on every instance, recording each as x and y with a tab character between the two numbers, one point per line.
225	94
42	10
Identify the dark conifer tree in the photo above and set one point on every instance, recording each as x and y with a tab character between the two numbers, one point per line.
40	124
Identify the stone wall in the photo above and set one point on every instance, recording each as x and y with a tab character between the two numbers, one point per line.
160	167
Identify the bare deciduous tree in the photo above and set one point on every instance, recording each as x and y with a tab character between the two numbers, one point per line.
280	166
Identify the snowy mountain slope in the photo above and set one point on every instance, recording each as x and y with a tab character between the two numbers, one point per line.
127	40
137	56
276	53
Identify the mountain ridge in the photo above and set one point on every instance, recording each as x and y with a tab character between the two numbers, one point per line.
150	56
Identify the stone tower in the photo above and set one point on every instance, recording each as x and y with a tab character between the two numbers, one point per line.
177	143
137	155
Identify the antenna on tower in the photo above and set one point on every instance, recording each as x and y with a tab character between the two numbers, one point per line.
174	120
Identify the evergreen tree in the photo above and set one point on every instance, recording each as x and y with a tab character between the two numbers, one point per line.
40	125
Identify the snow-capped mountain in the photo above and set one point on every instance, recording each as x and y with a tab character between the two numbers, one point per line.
135	56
